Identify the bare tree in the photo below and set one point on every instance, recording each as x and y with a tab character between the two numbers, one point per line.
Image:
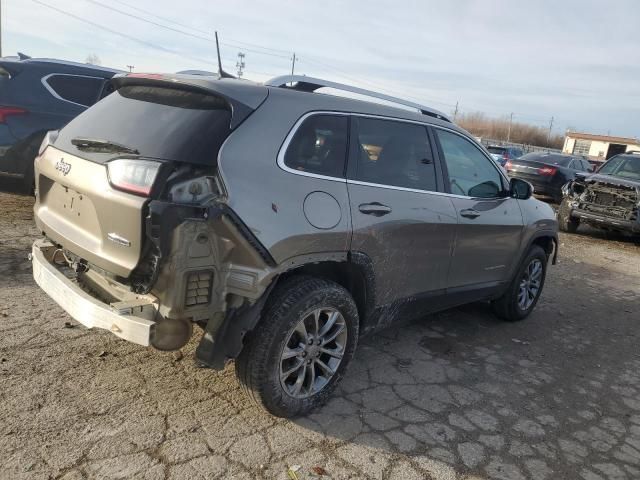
93	59
503	128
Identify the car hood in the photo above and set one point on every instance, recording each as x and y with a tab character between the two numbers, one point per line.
611	180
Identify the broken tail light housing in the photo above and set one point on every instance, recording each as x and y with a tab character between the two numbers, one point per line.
549	171
133	175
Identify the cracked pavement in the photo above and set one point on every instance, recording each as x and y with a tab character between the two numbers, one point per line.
458	395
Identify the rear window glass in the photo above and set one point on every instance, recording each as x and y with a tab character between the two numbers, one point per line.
319	146
163	123
546	158
499	150
76	89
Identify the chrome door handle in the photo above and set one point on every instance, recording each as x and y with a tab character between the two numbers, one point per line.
470	213
376	209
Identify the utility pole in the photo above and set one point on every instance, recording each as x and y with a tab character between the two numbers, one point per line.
549	135
0	28
509	131
240	64
131	67
455	113
293	63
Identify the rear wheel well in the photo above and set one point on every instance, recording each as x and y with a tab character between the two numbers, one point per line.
346	274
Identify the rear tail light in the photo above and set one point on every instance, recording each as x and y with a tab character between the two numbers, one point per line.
547	171
133	175
8	111
508	165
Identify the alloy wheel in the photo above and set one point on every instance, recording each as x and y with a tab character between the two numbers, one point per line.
313	352
530	284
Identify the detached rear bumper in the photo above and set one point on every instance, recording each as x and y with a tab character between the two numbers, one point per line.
130	320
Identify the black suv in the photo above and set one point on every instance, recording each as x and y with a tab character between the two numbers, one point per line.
37	95
608	199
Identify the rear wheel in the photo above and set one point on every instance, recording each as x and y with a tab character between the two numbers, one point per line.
300	350
524	291
565	222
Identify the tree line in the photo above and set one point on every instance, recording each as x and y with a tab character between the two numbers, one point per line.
481	125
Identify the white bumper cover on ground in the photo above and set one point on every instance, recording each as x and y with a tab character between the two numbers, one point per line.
87	310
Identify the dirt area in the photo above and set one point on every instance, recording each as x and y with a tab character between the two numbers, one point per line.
459	395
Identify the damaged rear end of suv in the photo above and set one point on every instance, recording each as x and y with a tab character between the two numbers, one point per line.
608	199
284	222
137	239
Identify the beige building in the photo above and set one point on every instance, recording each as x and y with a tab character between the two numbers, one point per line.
598	147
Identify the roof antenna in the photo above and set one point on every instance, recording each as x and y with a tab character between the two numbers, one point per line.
221	71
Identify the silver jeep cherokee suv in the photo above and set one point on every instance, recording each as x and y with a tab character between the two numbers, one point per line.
285	222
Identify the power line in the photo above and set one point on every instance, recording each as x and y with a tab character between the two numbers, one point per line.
142	19
176	30
230	42
124	35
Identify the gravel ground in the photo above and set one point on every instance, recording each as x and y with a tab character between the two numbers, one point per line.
459	395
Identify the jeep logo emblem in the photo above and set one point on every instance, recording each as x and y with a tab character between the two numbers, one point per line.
63	167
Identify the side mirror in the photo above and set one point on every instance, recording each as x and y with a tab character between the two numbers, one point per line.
520	189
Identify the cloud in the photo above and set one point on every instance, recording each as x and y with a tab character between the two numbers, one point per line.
536	59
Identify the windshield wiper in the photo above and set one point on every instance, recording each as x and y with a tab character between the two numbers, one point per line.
97	144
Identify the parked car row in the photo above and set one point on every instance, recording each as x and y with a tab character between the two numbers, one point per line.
502	154
38	95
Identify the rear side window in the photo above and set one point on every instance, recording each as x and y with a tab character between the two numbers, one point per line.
470	172
74	88
319	146
159	122
394	153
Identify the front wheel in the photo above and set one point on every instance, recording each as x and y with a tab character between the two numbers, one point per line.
565	222
524	291
300	350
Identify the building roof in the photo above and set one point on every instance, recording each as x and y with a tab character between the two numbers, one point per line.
604	138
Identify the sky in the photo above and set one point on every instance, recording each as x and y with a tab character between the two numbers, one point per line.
575	61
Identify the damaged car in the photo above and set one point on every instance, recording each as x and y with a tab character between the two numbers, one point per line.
608	199
284	222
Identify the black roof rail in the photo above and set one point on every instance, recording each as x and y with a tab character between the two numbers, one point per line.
310	84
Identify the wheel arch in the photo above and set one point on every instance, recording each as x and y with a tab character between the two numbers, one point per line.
225	338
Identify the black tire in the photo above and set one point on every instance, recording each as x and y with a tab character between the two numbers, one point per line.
258	367
507	306
565	222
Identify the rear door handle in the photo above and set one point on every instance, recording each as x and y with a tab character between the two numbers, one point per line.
470	213
376	209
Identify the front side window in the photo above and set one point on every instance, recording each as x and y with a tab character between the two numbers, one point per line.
76	89
470	172
319	146
394	153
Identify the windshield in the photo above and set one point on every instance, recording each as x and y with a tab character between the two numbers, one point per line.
158	122
623	167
